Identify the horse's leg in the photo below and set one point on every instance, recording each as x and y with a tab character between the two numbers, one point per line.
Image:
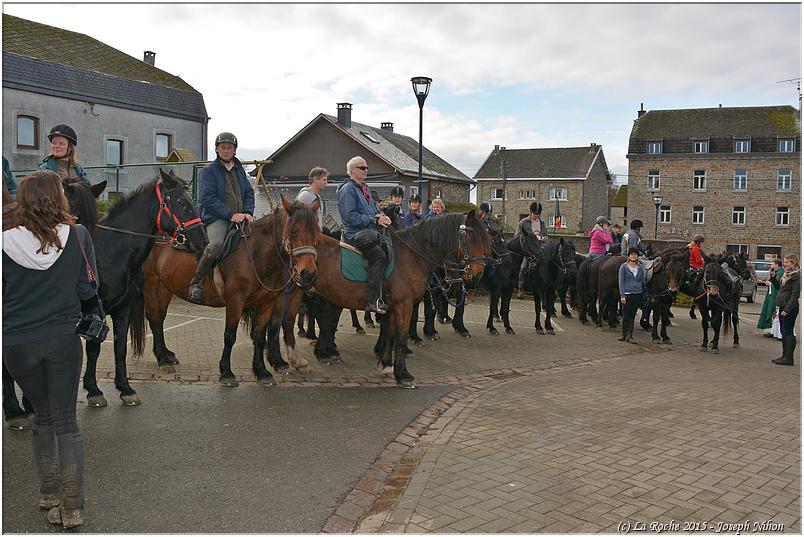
398	327
299	363
120	329
429	317
16	417
259	327
413	330
443	309
234	309
384	348
95	396
494	298
505	310
549	308
537	306
311	310
665	314
325	349
157	300
644	320
562	295
735	320
717	320
457	319
655	308
705	328
692	311
300	320
356	323
368	320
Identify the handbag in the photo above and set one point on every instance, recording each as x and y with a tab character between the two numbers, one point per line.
91	326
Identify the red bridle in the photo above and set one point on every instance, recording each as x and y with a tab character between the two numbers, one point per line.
163	207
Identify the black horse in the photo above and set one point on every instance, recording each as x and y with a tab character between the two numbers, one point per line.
500	279
123	240
662	288
586	288
568	285
560	268
528	246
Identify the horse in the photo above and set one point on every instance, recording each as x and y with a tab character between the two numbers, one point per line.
568	285
530	247
660	294
274	260
560	267
456	243
586	288
500	279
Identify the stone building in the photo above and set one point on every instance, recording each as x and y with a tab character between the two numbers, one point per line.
576	179
731	174
392	159
124	110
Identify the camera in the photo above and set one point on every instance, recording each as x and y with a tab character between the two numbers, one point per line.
92	327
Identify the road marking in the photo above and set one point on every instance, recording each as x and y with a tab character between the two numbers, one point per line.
150	334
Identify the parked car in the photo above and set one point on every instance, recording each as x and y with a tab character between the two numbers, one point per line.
762	268
750	285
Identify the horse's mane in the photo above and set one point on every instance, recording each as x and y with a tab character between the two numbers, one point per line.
438	234
83	204
122	204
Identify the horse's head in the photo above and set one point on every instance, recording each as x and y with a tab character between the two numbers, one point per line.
739	263
712	275
392	211
83	201
498	248
565	258
531	247
300	237
177	215
474	247
675	269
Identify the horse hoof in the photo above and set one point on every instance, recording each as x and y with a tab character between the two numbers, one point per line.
419	343
600	328
703	349
667	342
715	351
266	381
540	331
657	341
96	401
494	332
406	384
370	325
131	400
303	368
434	337
497	319
20	423
229	382
326	360
467	335
586	323
510	331
301	333
282	370
388	371
551	332
166	369
407	350
360	331
736	346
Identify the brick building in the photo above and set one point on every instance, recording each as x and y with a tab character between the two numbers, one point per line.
731	174
577	177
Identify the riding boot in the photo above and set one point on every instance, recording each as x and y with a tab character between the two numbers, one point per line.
521	286
46	459
630	338
625	332
205	264
784	351
789	343
374	301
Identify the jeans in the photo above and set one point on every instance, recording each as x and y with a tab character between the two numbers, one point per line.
788	322
596	255
632	303
48	372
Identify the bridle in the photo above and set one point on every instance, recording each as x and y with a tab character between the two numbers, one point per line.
564	266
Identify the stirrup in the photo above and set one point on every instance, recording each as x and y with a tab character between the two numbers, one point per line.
379	306
196	294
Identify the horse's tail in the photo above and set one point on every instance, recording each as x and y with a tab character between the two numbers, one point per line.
248	318
726	321
136	324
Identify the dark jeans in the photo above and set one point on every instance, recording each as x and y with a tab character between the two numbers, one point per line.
632	303
48	372
788	322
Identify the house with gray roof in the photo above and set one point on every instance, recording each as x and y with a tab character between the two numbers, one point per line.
732	174
124	110
392	158
572	180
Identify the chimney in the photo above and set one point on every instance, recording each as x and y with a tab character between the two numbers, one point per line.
345	114
641	111
149	57
387	126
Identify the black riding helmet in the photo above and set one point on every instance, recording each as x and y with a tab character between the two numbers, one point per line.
65	131
226	137
485	207
415	197
398	191
636	224
536	207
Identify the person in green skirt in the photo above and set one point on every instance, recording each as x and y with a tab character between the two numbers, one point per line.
769	305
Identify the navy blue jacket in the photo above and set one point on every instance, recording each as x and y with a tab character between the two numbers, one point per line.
212	192
411	218
356	212
630	284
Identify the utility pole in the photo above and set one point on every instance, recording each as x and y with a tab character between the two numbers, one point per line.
798	87
504	176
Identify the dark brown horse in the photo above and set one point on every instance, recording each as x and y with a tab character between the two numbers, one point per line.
264	274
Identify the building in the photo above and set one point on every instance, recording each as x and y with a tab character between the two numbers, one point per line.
574	178
125	110
618	205
731	174
392	158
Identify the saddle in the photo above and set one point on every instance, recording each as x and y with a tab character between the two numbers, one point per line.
649	265
229	243
354	267
731	274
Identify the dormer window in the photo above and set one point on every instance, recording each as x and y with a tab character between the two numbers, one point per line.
701	146
742	146
787	146
654	148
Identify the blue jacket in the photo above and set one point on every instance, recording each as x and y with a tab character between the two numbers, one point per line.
411	218
212	191
629	283
9	178
50	164
356	212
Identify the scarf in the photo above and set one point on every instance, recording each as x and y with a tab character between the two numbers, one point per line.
788	274
364	188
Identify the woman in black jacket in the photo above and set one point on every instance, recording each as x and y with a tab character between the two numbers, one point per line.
787	302
47	283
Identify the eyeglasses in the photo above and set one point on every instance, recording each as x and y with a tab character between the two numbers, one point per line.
364	168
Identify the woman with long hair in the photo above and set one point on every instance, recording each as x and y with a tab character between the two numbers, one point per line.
787	302
63	157
48	282
769	311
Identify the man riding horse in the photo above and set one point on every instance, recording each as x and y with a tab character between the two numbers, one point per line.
225	196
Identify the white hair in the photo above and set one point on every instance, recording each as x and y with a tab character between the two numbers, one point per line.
352	164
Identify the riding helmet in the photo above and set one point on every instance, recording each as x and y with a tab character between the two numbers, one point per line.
536	207
226	137
415	197
485	207
65	131
600	220
637	224
698	238
398	191
633	250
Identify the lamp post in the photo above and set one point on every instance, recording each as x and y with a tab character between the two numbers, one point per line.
657	201
421	88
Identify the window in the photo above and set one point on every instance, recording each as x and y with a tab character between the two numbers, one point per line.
742	146
787	146
701	147
27	132
551	221
740	180
496	193
114	152
782	216
557	194
665	215
370	137
527	194
699	180
653	180
654	148
783	181
737	248
738	216
698	215
439	193
163	144
414	190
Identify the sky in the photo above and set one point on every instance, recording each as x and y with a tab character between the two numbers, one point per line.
516	75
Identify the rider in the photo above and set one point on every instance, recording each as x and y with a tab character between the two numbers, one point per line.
696	259
484	213
225	196
62	157
600	237
397	193
530	225
308	194
415	214
361	222
632	238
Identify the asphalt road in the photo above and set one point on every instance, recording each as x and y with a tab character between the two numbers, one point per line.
207	459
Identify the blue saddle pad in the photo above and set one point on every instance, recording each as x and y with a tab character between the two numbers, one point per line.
354	269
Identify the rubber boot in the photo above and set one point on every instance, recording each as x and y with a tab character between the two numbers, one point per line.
784	351
46	459
374	302
205	264
69	513
789	349
624	337
630	338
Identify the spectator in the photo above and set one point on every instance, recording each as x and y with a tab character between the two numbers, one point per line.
63	158
632	289
616	236
437	208
632	238
787	302
308	194
769	310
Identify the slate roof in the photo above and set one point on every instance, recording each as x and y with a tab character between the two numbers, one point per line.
621	198
706	122
536	163
38	76
56	45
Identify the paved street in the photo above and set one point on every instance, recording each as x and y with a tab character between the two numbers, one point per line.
568	433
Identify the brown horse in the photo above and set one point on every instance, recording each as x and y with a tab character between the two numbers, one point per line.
271	265
455	244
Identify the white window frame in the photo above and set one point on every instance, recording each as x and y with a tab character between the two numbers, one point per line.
494	193
552	193
787	145
551	221
784	181
665	214
171	142
413	190
737	214
654	180
743	176
106	150
701	183
783	216
700	214
527	194
700	147
654	148
737	248
742	146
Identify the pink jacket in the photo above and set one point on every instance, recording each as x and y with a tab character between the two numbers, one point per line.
599	239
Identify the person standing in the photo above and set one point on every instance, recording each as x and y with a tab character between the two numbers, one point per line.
768	313
362	220
415	214
319	178
224	196
632	290
600	237
437	208
616	236
48	281
535	226
63	155
787	302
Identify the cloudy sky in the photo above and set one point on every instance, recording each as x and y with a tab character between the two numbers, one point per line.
521	76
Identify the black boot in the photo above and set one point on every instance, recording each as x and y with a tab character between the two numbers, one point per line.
205	264
630	338
784	351
374	288
789	343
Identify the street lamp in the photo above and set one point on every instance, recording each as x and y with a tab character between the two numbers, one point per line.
421	88
657	201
